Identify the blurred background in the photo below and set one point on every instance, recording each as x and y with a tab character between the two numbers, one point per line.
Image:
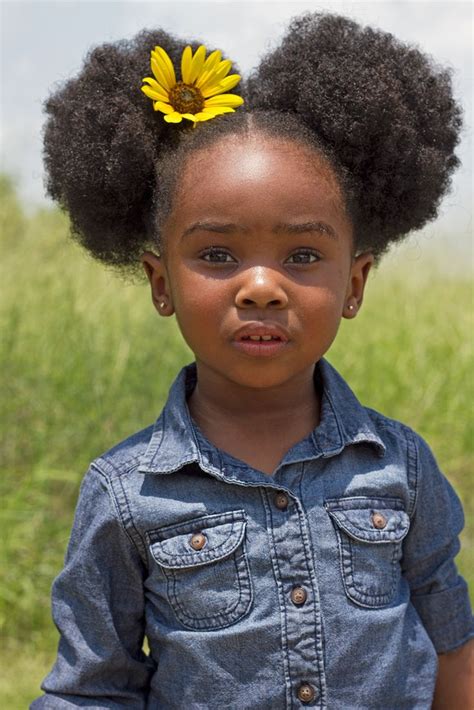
84	360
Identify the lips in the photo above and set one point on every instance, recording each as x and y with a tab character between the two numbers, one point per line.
261	339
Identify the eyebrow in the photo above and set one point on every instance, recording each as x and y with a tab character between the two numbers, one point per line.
218	227
228	227
303	227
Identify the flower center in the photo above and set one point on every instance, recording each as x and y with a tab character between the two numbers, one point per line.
185	98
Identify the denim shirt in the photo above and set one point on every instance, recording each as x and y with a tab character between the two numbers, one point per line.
328	584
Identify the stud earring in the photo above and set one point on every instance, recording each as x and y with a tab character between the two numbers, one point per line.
162	304
350	307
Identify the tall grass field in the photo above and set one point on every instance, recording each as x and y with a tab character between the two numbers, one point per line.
85	361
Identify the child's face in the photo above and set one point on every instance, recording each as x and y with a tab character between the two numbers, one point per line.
255	264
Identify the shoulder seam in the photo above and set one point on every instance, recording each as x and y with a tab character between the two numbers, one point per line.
108	468
127	452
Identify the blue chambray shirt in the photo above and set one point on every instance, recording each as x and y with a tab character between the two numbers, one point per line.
329	584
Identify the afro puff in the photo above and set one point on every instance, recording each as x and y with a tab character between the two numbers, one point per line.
380	111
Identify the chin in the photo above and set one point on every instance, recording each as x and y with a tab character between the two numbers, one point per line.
262	378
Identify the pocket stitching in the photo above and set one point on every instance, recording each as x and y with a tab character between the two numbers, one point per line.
346	553
222	613
372	536
232	516
353	592
229	615
204	558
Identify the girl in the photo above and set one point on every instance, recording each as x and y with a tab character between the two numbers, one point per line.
278	544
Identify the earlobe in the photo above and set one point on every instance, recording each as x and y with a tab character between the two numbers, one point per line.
158	278
350	309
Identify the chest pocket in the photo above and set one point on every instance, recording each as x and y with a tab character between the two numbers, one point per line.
205	564
370	533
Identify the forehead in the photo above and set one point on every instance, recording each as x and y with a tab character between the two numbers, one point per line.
258	172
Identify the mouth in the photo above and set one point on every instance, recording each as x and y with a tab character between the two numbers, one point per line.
256	331
258	340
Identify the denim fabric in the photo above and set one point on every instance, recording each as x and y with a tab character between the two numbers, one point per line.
178	541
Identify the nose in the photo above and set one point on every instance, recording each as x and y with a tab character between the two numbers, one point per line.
261	288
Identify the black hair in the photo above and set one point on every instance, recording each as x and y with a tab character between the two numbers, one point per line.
380	111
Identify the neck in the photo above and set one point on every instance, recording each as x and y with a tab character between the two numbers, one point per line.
292	406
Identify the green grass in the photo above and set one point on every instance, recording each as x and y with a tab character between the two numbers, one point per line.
85	361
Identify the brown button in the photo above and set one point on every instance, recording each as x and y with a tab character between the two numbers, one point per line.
306	693
298	595
281	501
198	541
379	520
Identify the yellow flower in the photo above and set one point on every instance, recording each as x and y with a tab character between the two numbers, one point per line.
200	95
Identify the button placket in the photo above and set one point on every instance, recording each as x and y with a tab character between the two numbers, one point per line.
299	602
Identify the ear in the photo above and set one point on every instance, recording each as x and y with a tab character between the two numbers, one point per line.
360	268
159	282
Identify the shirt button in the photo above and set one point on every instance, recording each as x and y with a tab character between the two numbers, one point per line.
298	595
379	521
198	541
281	500
306	693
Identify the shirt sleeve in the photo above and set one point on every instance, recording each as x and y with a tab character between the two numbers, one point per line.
98	608
438	593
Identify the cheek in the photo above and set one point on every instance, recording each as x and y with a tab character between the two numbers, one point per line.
323	321
327	312
328	293
198	301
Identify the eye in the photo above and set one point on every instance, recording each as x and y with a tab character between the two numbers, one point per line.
303	256
216	255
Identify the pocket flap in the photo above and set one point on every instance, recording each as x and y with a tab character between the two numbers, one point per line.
375	520
222	533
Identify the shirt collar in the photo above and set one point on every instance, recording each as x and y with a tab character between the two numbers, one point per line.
174	444
344	420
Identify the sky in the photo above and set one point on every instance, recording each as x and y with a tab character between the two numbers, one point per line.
43	43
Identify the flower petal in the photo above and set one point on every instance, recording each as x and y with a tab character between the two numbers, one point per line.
205	76
217	110
197	63
167	63
157	87
159	72
224	85
186	60
221	71
152	94
174	117
153	83
201	116
224	100
189	116
163	107
156	57
213	59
